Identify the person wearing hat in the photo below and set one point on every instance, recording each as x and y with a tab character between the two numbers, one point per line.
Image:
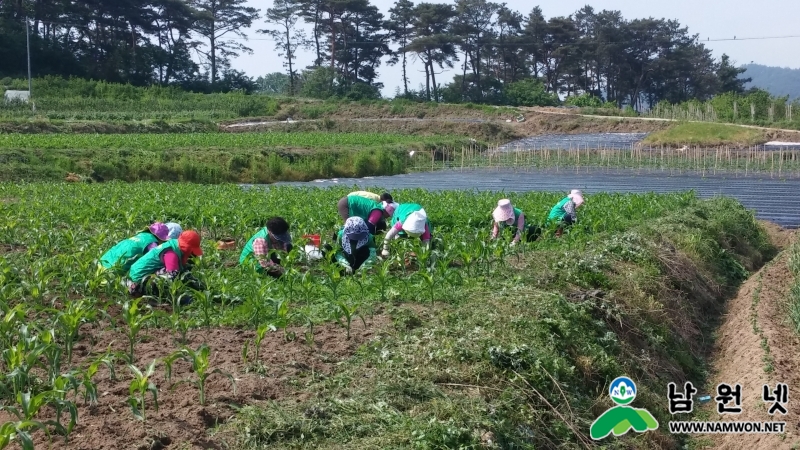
507	217
168	261
262	246
122	256
564	212
357	246
175	230
408	220
372	212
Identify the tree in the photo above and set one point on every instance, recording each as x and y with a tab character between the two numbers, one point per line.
529	92
400	27
284	14
432	42
475	19
217	19
273	83
728	76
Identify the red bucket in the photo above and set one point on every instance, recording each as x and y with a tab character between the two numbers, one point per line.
315	239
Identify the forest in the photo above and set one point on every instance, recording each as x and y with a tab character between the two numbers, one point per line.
503	56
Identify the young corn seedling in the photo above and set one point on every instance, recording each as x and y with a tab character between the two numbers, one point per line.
70	319
138	389
28	406
348	311
199	361
133	317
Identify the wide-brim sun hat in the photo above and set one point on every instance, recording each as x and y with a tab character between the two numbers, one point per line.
504	211
159	230
575	192
175	230
415	222
390	208
577	199
189	243
284	238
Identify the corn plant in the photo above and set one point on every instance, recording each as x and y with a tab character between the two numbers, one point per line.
138	389
347	311
69	320
20	359
199	361
27	407
135	320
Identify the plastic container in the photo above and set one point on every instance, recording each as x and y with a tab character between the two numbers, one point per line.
316	240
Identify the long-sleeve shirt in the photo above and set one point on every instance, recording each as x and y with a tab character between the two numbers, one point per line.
375	216
261	252
520	228
398	227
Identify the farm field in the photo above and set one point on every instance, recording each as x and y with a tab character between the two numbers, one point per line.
475	344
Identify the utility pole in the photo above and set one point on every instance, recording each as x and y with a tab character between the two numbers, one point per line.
28	39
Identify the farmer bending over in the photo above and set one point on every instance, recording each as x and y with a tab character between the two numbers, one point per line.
122	256
262	248
506	217
564	212
408	220
372	212
385	197
357	247
168	261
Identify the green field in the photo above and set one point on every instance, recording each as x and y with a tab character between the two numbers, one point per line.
517	343
706	134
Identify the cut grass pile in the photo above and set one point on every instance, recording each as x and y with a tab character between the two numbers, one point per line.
494	346
706	135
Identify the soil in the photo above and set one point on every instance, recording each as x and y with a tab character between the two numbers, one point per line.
180	421
740	357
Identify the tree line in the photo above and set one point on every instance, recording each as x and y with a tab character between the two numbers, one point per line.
499	55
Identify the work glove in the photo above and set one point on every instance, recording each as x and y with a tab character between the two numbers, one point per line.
348	270
385	253
513	244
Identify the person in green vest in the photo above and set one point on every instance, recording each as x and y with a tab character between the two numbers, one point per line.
261	249
166	262
409	220
356	246
507	217
564	213
385	197
372	212
122	256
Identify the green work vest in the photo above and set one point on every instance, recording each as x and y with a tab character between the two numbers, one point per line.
127	252
403	211
361	207
151	262
247	251
558	212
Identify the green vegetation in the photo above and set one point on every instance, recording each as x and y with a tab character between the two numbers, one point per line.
706	135
756	107
201	165
513	345
228	141
778	81
794	292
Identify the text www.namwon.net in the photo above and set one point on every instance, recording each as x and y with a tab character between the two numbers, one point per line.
726	427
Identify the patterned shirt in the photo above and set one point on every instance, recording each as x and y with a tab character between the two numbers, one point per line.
261	251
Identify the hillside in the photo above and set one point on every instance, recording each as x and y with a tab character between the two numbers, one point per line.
779	81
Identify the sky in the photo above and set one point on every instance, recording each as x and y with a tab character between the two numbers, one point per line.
711	19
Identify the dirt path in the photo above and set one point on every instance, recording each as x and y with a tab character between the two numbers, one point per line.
756	346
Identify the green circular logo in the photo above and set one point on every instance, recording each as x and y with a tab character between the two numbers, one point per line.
622	390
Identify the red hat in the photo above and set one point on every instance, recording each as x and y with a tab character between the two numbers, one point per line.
189	243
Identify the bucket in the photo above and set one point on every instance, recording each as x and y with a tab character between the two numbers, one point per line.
315	239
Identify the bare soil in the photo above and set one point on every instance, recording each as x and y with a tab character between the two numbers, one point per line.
757	314
180	421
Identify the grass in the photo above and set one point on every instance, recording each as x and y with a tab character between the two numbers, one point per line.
705	134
